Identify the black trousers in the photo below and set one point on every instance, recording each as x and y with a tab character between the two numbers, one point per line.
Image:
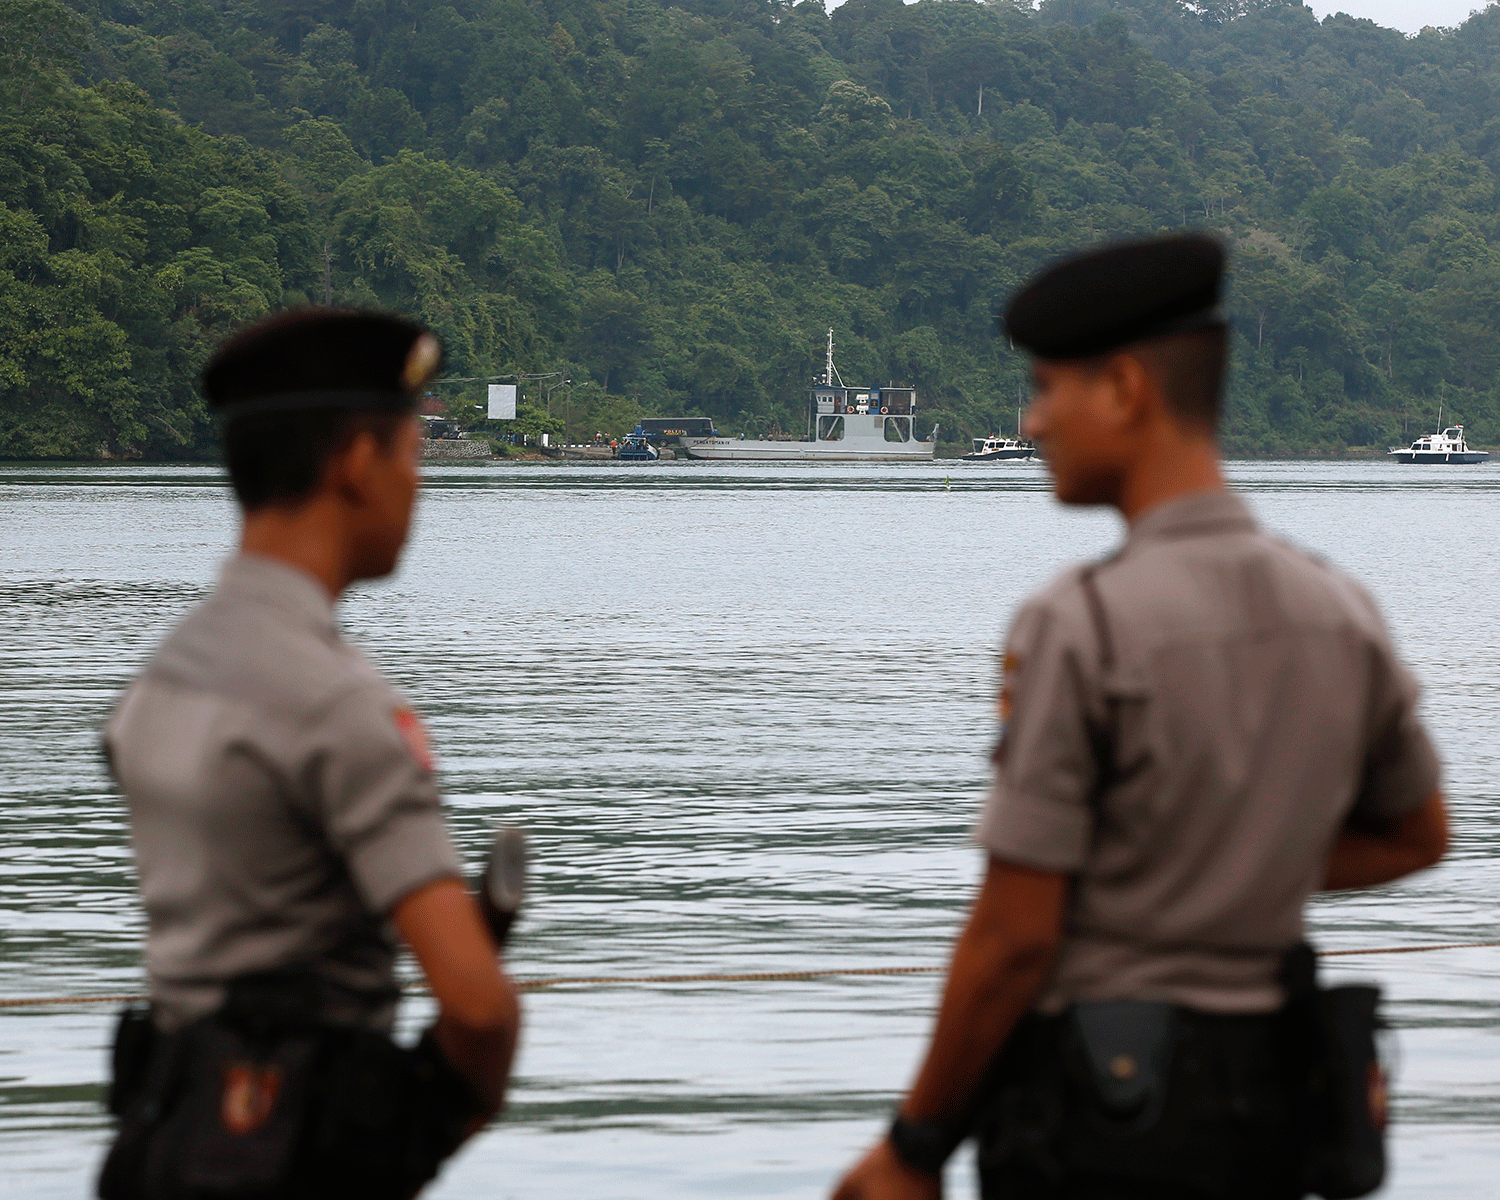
1222	1125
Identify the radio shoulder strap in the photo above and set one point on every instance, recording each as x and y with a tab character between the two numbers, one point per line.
1102	736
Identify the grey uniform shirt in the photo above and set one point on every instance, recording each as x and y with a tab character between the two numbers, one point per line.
281	800
1191	769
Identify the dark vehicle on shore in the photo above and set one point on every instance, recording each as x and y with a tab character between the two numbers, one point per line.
662	430
441	429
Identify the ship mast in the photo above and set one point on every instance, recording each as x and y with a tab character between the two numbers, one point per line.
831	372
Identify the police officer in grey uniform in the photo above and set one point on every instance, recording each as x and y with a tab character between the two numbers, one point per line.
286	825
1199	733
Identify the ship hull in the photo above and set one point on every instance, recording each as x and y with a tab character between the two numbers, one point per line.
734	450
1459	457
997	455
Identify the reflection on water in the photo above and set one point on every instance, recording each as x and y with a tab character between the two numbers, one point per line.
744	711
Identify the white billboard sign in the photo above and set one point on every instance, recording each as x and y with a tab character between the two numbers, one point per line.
502	402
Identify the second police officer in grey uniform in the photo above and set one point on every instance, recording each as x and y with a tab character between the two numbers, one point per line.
1198	733
285	822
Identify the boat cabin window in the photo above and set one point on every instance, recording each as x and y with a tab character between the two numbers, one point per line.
830	429
898	429
896	400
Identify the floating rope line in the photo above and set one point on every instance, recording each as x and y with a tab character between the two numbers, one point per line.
537	985
541	985
1408	949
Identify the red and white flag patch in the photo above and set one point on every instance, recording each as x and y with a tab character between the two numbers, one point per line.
409	726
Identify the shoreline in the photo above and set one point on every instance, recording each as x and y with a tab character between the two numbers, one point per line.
1355	454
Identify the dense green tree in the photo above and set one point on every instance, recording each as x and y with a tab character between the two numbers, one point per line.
132	243
671	203
40	43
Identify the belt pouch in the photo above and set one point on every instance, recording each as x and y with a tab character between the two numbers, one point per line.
146	1078
234	1131
1176	1100
1125	1047
1347	1095
1117	1057
1077	1095
130	1056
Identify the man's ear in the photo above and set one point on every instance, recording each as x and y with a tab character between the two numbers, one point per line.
350	471
1135	389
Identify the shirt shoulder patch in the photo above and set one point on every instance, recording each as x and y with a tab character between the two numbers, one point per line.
1009	666
409	726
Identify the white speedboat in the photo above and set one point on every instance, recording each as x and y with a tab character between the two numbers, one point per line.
995	447
1446	447
845	424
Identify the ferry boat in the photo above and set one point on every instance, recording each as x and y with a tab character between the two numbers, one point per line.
995	447
1446	447
845	424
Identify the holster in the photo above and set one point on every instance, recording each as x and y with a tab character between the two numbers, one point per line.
261	1099
1340	1083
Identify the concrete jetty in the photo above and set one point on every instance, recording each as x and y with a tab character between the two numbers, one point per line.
455	448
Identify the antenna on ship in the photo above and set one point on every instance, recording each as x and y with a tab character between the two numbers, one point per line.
832	372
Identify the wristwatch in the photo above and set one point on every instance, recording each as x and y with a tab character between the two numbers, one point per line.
923	1145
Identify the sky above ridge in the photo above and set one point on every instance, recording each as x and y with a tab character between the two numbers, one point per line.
1409	16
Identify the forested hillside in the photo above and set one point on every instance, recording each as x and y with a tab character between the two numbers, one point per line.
669	202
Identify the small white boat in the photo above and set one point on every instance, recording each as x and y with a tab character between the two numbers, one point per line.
995	447
1446	447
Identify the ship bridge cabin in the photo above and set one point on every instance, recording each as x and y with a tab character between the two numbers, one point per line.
883	414
894	401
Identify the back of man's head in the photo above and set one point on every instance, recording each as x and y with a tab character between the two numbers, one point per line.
295	389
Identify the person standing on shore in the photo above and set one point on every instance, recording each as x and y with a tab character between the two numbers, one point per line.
1199	732
286	826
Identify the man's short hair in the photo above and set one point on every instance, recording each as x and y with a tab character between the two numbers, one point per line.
277	459
1191	368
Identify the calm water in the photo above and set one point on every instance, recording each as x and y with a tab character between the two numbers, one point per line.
744	712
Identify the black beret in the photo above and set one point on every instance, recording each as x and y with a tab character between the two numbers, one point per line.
1106	298
322	358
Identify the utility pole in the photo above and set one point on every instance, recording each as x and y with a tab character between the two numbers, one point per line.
567	383
327	277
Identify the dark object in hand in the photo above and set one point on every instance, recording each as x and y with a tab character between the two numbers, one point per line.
503	883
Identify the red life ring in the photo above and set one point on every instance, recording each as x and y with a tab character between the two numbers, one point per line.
884	410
